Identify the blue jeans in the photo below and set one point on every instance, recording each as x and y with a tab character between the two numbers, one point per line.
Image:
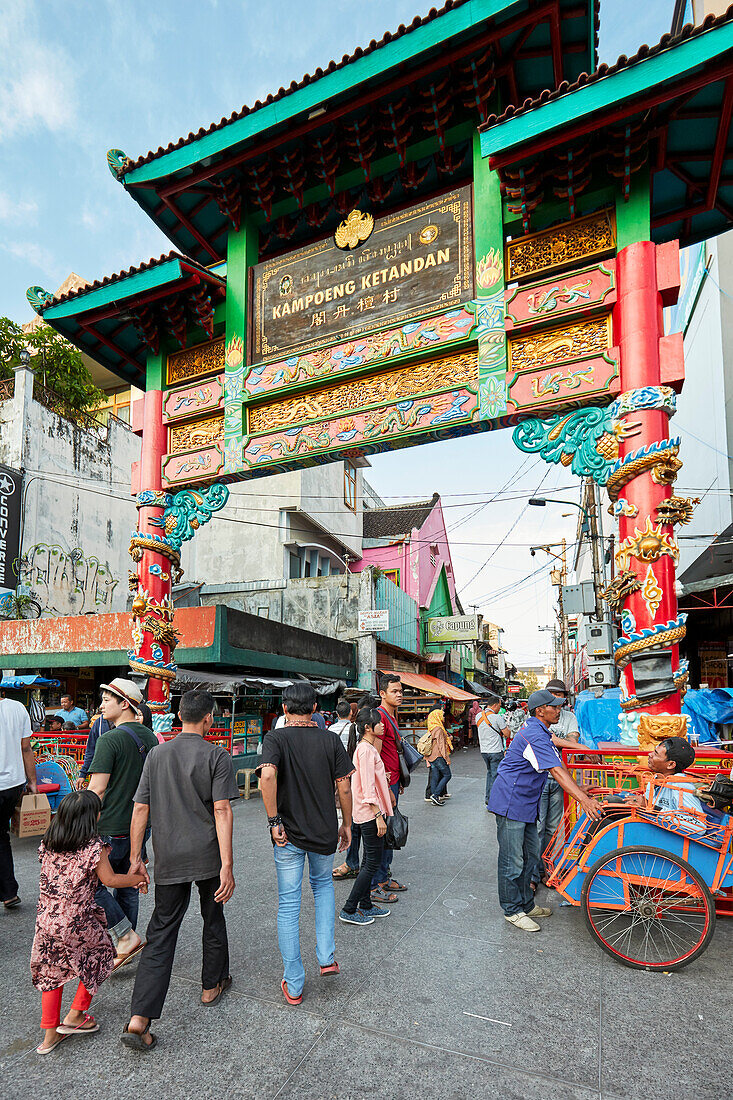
492	760
385	867
289	864
548	818
519	850
440	773
122	903
352	854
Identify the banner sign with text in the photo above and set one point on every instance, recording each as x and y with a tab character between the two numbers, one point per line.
373	620
460	628
11	483
412	262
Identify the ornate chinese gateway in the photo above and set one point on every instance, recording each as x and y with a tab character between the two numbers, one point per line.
374	258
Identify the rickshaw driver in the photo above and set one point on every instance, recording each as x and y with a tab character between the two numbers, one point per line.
515	798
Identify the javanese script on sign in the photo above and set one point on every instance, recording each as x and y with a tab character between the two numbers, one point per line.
416	260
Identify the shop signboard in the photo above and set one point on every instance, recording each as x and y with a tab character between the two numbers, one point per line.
411	261
458	628
514	689
11	482
373	620
455	658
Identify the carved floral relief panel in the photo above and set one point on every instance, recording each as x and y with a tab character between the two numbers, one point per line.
551	249
195	362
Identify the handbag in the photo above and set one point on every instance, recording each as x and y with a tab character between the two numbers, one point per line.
412	756
396	834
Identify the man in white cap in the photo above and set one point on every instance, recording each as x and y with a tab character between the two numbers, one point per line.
115	773
515	798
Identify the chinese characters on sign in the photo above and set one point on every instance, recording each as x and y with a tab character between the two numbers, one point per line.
416	260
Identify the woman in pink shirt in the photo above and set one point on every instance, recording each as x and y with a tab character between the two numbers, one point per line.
371	805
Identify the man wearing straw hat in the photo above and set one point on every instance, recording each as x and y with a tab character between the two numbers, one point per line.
115	773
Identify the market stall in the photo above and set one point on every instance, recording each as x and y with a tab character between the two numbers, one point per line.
421	694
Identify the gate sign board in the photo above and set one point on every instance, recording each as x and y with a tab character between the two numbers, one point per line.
460	628
413	262
373	620
11	482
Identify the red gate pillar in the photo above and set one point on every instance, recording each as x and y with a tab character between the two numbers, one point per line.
641	481
158	565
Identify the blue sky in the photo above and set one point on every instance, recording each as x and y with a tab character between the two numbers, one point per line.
83	76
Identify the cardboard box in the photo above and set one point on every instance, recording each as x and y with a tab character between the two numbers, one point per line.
32	816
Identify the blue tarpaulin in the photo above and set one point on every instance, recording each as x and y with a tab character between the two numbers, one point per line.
706	711
18	683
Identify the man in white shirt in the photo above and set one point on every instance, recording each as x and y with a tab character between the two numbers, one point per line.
492	730
17	769
342	727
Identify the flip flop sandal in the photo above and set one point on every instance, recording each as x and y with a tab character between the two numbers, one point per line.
47	1050
393	884
13	903
286	995
348	873
79	1029
223	986
134	1039
123	960
381	895
332	968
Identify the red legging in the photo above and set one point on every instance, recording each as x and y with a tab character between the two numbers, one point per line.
51	1005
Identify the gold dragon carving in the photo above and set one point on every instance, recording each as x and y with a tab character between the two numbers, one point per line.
196	433
585	338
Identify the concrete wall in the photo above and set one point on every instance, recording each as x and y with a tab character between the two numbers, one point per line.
78	513
246	540
323	605
704	414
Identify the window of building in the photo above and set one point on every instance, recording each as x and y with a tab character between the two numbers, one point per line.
115	404
294	566
393	575
350	485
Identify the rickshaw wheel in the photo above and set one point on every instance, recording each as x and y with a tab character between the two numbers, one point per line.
648	908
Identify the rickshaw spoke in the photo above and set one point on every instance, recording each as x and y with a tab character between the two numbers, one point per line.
648	907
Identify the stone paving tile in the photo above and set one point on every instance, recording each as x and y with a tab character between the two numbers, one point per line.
406	981
350	1062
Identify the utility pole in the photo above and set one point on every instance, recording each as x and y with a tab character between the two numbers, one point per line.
558	577
595	549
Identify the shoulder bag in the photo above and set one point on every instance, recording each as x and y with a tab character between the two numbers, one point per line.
399	745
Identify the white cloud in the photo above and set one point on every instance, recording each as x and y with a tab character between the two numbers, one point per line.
37	83
15	210
34	254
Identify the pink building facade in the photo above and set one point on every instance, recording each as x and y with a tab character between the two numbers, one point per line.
409	543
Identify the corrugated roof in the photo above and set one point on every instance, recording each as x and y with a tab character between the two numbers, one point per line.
603	71
310	78
398	520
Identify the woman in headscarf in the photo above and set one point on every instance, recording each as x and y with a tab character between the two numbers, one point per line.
438	760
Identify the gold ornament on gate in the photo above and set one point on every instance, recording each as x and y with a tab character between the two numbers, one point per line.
620	587
676	509
647	544
354	230
654	728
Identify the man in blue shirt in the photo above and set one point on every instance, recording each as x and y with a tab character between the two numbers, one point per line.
515	798
71	713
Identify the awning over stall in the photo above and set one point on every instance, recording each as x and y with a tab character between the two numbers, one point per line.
228	682
431	685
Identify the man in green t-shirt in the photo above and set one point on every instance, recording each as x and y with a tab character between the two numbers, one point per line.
115	773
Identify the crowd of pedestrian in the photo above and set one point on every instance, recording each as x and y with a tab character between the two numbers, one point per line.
323	788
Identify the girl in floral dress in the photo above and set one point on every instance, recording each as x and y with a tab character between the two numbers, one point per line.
71	939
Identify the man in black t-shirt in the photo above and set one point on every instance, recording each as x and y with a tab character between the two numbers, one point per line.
115	773
300	764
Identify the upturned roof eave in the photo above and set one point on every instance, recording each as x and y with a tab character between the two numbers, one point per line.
533	128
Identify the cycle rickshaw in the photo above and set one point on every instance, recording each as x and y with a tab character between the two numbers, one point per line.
645	878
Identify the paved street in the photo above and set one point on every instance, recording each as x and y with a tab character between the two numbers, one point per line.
441	999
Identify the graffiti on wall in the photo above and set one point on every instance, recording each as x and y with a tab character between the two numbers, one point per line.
67	582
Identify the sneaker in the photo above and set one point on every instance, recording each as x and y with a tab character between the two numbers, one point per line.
375	911
538	911
355	918
435	801
446	795
442	799
521	920
428	798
